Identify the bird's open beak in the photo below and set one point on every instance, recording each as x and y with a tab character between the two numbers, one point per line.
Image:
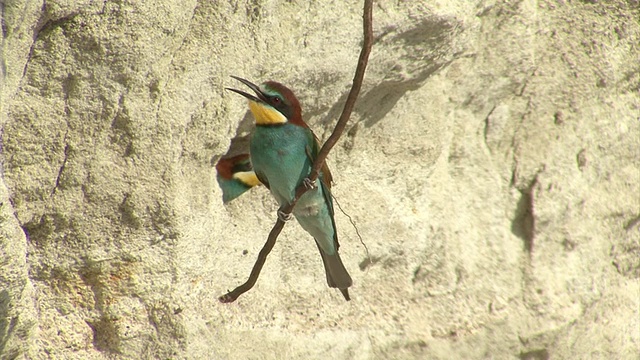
260	96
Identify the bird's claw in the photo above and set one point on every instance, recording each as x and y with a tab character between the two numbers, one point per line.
284	216
310	185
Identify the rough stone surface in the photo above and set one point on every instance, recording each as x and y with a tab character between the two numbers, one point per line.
492	168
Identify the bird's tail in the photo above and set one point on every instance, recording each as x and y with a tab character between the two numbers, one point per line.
337	275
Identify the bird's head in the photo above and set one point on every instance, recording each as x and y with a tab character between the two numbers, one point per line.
273	104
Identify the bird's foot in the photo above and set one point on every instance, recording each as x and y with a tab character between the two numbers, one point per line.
310	185
284	216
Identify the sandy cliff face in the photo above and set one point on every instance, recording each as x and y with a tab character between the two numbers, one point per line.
492	168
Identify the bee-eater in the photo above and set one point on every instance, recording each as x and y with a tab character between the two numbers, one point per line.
282	151
235	176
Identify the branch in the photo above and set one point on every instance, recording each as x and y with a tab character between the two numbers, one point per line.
322	155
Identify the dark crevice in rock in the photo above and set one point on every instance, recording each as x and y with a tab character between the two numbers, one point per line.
582	159
526	82
123	130
40	231
105	336
3	64
64	163
487	125
3	22
523	224
26	64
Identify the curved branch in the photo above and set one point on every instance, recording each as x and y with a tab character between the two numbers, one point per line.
322	155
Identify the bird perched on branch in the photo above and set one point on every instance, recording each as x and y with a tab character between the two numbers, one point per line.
283	150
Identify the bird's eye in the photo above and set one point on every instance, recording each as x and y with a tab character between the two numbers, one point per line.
277	100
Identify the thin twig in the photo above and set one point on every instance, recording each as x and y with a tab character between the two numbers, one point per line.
322	155
353	223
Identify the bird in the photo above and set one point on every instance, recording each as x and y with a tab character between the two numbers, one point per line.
282	151
235	176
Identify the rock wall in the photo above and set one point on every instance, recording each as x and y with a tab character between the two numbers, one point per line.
492	168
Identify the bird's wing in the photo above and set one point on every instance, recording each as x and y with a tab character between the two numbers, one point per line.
325	178
312	153
235	176
263	179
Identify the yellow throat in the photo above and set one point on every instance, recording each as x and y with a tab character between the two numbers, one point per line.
265	114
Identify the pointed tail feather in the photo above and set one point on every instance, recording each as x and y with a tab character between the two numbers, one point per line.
345	293
337	275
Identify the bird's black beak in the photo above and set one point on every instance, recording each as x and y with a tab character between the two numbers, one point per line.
260	96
